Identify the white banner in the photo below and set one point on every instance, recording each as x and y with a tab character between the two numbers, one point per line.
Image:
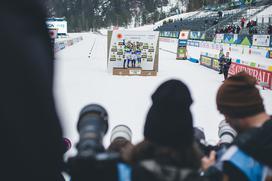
184	35
129	46
60	25
219	38
261	40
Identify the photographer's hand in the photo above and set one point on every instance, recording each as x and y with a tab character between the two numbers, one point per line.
206	162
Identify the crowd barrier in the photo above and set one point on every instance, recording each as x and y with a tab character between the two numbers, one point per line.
66	43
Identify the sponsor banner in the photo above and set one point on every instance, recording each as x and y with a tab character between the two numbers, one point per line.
61	26
206	61
169	34
209	62
197	35
261	40
219	38
168	40
215	64
237	39
269	53
181	53
182	43
63	44
69	42
184	35
193	43
263	77
127	46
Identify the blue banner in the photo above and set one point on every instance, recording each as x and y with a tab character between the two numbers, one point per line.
182	43
193	43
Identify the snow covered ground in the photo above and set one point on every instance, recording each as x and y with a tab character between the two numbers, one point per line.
81	80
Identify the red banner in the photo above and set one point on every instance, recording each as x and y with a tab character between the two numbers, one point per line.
263	77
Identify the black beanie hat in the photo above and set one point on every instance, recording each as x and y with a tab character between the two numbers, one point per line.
169	120
238	97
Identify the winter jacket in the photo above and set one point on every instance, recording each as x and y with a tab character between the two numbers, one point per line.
226	63
30	132
250	156
150	170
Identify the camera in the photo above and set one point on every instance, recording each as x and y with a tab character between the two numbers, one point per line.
92	161
121	132
226	133
226	136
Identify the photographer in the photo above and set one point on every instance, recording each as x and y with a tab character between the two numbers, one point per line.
31	137
168	151
249	156
93	161
226	65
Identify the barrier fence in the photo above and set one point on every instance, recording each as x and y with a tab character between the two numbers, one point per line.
66	43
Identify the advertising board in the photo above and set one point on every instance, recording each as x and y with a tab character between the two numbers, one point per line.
128	46
61	26
263	77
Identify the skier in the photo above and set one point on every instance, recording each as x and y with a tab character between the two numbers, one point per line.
226	65
133	59
138	52
128	51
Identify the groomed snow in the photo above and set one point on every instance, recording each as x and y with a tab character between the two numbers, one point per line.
80	80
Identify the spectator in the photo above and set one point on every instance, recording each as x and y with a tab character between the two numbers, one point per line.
220	14
168	151
221	60
238	29
269	29
248	24
243	20
240	102
30	132
226	65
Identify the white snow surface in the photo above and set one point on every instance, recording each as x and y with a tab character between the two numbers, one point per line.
80	80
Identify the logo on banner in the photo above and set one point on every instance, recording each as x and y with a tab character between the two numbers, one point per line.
119	36
262	76
261	40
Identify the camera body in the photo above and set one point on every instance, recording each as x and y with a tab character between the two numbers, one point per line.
226	136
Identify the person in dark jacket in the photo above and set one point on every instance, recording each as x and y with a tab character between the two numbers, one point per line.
269	29
249	157
221	60
31	137
168	152
226	65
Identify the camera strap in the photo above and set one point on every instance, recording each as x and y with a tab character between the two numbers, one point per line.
254	170
124	172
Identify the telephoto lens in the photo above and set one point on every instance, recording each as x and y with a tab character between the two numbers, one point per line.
121	132
92	162
226	133
92	127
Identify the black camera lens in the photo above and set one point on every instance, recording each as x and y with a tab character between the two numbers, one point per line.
92	127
